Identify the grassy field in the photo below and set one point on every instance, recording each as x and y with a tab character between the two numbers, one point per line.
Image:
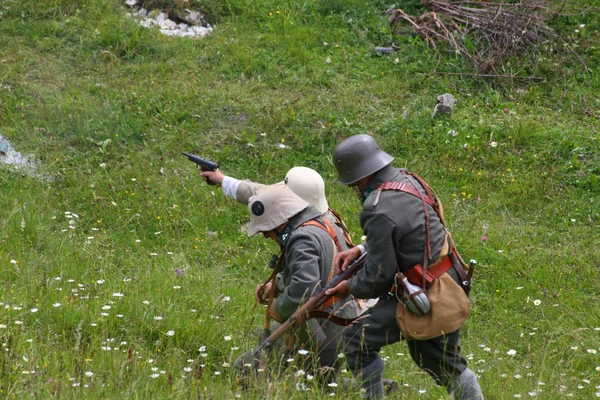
125	276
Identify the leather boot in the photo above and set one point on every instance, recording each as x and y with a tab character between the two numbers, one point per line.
371	379
465	387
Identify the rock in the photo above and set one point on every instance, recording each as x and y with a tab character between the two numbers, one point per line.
161	17
201	30
384	50
189	28
192	17
167	24
445	104
169	32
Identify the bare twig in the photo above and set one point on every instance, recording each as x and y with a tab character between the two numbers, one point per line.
487	32
492	76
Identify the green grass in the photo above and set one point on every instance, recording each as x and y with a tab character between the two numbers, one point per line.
107	107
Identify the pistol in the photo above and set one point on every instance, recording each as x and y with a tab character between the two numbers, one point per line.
205	165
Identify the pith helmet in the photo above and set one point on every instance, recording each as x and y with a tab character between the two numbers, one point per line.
357	157
309	185
273	206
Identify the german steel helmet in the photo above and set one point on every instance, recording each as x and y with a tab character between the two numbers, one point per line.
272	206
309	185
357	157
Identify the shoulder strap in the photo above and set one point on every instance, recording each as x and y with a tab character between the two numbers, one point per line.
340	223
403	187
272	279
327	227
429	199
436	204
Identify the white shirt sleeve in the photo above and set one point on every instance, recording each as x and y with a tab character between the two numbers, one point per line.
362	249
230	186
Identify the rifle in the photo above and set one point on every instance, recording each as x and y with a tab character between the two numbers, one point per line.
205	165
314	303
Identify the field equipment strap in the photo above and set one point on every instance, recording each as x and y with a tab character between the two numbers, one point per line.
448	251
438	268
273	279
328	227
320	313
340	223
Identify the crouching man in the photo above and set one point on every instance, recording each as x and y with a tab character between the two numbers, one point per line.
406	238
309	244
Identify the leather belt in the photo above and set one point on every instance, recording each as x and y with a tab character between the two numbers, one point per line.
415	274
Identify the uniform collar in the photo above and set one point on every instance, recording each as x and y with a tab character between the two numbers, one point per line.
307	214
385	174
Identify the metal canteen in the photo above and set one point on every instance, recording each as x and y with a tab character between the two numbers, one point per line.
418	304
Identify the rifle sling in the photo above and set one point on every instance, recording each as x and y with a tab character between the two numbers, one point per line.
340	223
272	279
330	317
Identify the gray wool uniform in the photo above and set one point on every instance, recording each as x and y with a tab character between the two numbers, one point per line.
394	224
305	270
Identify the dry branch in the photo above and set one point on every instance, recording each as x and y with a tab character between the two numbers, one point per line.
486	32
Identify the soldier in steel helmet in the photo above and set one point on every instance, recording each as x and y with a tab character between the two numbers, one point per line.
308	249
396	229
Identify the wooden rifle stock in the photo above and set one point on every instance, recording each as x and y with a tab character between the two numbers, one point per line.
314	303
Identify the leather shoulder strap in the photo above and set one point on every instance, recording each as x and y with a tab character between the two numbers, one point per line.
272	279
403	187
328	228
429	199
340	223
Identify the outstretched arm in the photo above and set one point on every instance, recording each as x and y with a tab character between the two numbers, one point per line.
215	176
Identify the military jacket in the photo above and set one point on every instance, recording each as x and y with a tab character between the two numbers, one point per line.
394	224
307	264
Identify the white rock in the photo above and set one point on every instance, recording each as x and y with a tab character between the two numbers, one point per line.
194	17
201	30
168	32
161	17
168	24
147	23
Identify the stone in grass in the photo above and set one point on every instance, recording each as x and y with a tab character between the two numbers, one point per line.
167	24
445	104
192	17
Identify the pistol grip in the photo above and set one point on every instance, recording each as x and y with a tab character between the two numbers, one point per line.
202	168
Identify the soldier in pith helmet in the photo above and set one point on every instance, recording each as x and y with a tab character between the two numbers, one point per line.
308	246
303	181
